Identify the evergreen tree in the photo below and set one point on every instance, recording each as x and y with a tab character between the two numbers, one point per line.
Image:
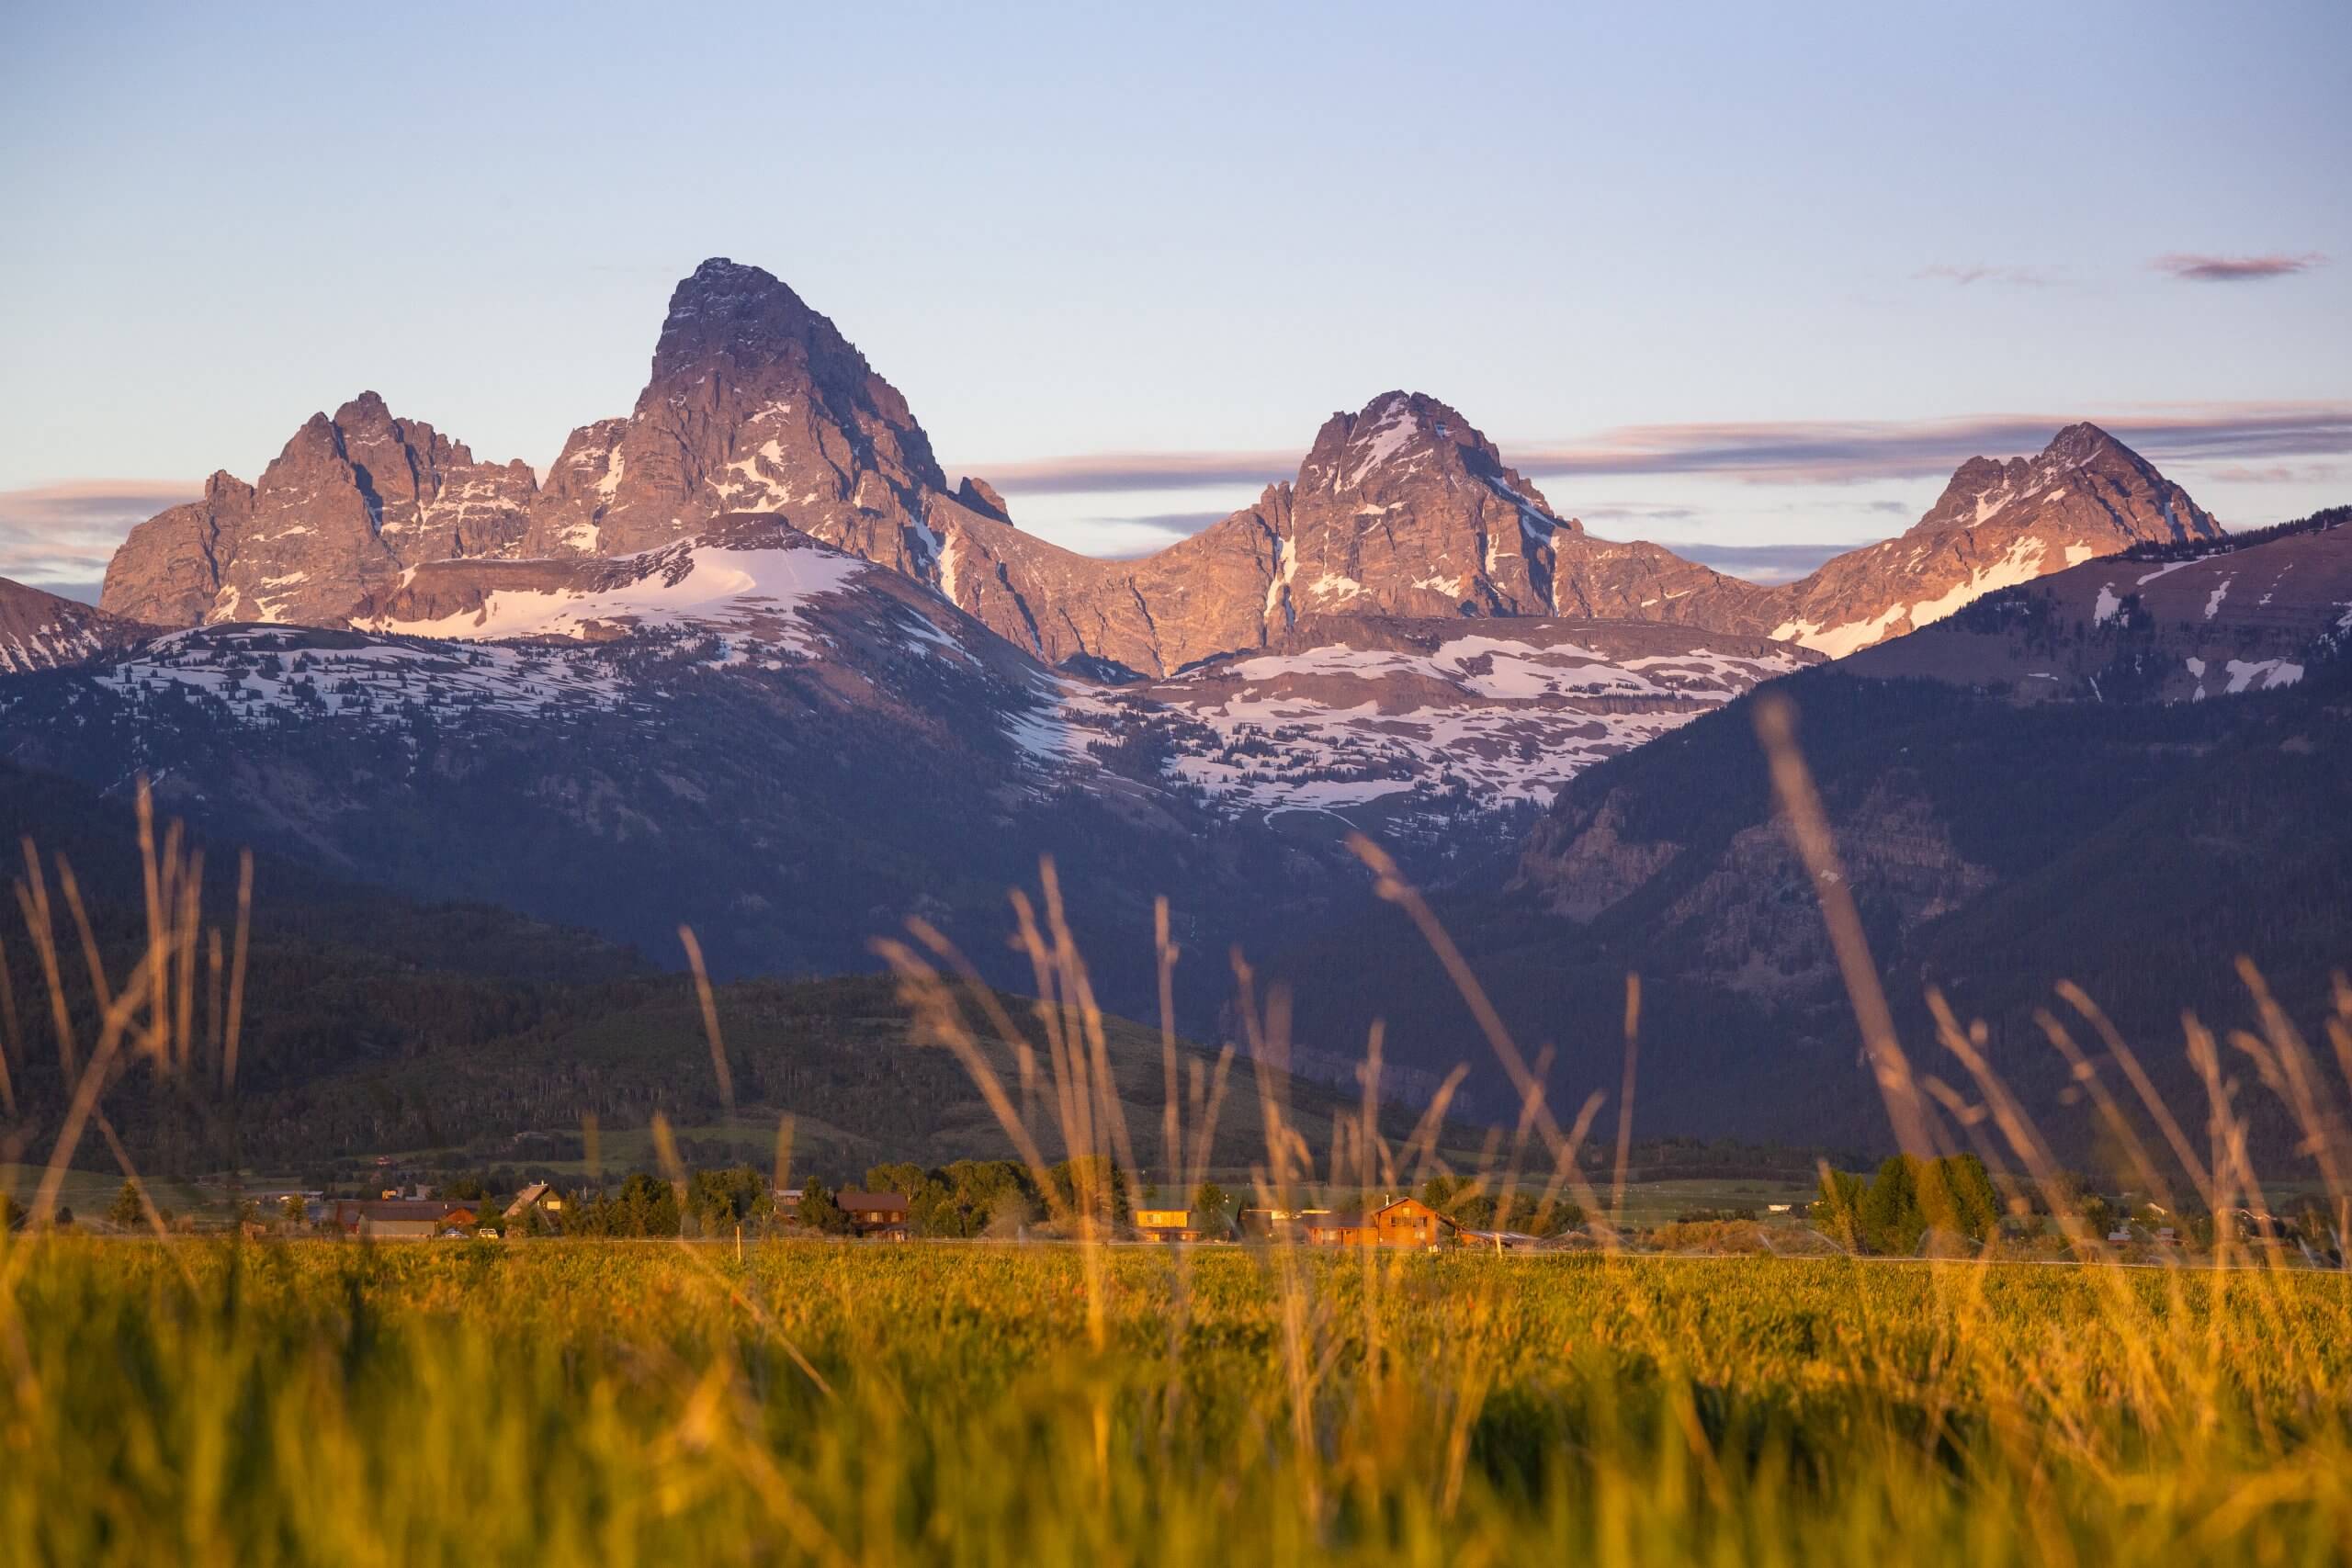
819	1212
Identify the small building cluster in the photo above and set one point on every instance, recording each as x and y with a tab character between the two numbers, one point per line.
401	1219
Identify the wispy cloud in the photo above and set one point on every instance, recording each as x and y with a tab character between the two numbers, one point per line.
1634	511
60	536
2276	473
1964	274
2194	268
1779	452
1839	452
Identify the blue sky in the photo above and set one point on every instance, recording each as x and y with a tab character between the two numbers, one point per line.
1173	242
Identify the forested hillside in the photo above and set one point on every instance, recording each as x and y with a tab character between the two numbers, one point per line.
371	1023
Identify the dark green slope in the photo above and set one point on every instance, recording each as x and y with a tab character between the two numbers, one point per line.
375	1023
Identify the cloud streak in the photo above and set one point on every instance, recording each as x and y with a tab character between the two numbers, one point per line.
2193	269
1965	274
60	536
1792	452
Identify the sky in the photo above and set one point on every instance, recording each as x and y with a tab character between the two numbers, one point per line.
1746	280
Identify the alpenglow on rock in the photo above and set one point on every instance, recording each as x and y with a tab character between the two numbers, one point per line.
1996	525
758	404
349	504
40	630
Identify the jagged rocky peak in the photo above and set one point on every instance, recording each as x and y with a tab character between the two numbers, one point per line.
349	502
1406	509
755	404
1401	435
2081	463
428	489
978	495
1997	524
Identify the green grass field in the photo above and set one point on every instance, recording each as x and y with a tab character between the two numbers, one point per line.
555	1402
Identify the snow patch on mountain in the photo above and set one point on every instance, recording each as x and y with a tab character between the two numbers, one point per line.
685	586
264	677
2021	564
1382	441
2262	674
1478	722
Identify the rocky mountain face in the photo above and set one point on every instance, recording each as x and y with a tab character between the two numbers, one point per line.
44	631
350	503
1997	524
757	403
1402	510
2167	622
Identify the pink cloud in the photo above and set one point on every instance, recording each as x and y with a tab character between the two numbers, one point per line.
2193	269
63	534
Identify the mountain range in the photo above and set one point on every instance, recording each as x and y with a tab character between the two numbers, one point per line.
746	661
756	403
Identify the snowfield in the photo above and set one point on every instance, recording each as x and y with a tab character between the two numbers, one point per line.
1480	722
751	592
267	677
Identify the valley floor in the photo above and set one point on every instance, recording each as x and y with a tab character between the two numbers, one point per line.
650	1403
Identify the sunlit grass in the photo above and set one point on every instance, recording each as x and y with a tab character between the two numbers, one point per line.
619	1402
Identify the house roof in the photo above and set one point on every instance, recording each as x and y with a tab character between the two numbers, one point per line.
893	1202
527	1196
1336	1223
351	1208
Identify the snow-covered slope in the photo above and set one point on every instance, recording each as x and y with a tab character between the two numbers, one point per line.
1432	719
264	676
690	583
2169	623
509	642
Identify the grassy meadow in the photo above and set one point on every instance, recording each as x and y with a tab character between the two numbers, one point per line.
559	1402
